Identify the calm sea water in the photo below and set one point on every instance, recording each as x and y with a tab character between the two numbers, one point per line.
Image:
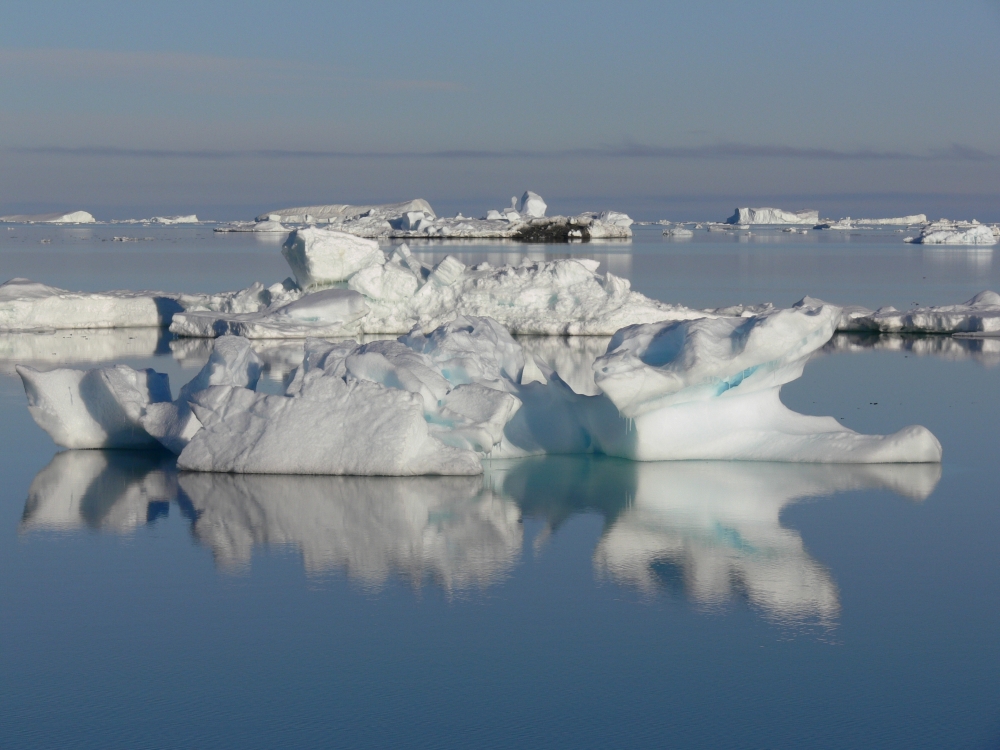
558	602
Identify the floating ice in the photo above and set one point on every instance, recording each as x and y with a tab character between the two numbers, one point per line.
99	408
330	312
232	363
708	389
73	217
678	233
979	316
895	221
531	205
341	213
772	216
321	257
263	227
941	233
189	219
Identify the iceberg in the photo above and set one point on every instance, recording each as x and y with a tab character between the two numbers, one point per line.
678	233
100	408
189	219
899	221
979	316
30	306
561	297
73	217
525	222
747	216
946	233
262	227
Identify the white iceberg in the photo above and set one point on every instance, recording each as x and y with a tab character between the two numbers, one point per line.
536	298
531	205
340	213
895	221
327	313
29	306
748	216
262	227
188	219
678	233
980	316
233	363
100	408
955	234
321	257
72	217
709	389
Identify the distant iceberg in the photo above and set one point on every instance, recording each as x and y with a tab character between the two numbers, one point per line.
73	217
772	216
524	221
979	316
955	233
913	220
189	219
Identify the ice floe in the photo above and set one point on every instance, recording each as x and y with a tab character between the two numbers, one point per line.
750	216
188	219
72	217
912	220
980	316
949	233
524	221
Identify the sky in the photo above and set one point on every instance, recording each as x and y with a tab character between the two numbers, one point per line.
662	109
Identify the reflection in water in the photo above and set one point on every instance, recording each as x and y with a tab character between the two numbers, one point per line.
112	491
715	531
44	351
983	350
710	531
447	528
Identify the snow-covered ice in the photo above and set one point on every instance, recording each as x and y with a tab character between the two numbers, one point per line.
912	220
71	217
100	408
943	233
188	219
749	216
979	316
321	257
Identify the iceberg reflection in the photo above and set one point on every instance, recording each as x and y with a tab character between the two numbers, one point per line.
980	349
450	529
710	531
114	491
44	351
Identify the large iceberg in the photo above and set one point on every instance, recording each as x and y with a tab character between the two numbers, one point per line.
894	221
71	217
772	216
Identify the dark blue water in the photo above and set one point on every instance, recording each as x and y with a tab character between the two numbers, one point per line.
558	602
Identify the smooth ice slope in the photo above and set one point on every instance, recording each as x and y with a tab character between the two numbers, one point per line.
99	408
980	316
73	217
772	216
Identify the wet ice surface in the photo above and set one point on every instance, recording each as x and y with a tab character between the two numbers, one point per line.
560	601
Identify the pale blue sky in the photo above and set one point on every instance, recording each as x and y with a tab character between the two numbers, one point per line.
662	109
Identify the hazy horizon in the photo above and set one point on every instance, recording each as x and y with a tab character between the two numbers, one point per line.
661	110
